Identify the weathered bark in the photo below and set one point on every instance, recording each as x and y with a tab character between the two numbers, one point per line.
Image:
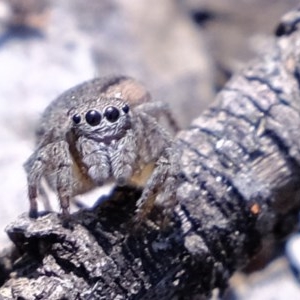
239	184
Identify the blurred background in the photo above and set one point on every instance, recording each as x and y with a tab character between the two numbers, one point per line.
182	50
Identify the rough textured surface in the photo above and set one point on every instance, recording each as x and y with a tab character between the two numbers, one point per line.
80	36
240	185
179	56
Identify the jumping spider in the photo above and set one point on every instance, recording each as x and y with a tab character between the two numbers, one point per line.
103	130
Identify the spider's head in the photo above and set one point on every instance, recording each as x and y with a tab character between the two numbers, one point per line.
104	119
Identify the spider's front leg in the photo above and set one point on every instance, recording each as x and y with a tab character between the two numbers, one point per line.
161	186
53	162
157	109
62	164
34	168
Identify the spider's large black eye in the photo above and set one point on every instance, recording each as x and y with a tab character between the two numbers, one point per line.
93	117
125	108
111	114
76	118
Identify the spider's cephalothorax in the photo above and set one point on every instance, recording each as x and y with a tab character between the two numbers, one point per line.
104	123
103	130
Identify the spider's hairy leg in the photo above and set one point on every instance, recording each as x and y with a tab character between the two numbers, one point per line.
53	162
61	165
162	183
34	168
155	138
170	164
160	187
157	109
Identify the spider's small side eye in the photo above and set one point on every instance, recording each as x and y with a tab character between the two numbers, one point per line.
93	117
111	114
125	108
76	118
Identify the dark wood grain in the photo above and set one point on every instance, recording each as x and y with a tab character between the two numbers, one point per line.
239	185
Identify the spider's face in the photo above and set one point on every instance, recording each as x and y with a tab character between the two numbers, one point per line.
102	120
